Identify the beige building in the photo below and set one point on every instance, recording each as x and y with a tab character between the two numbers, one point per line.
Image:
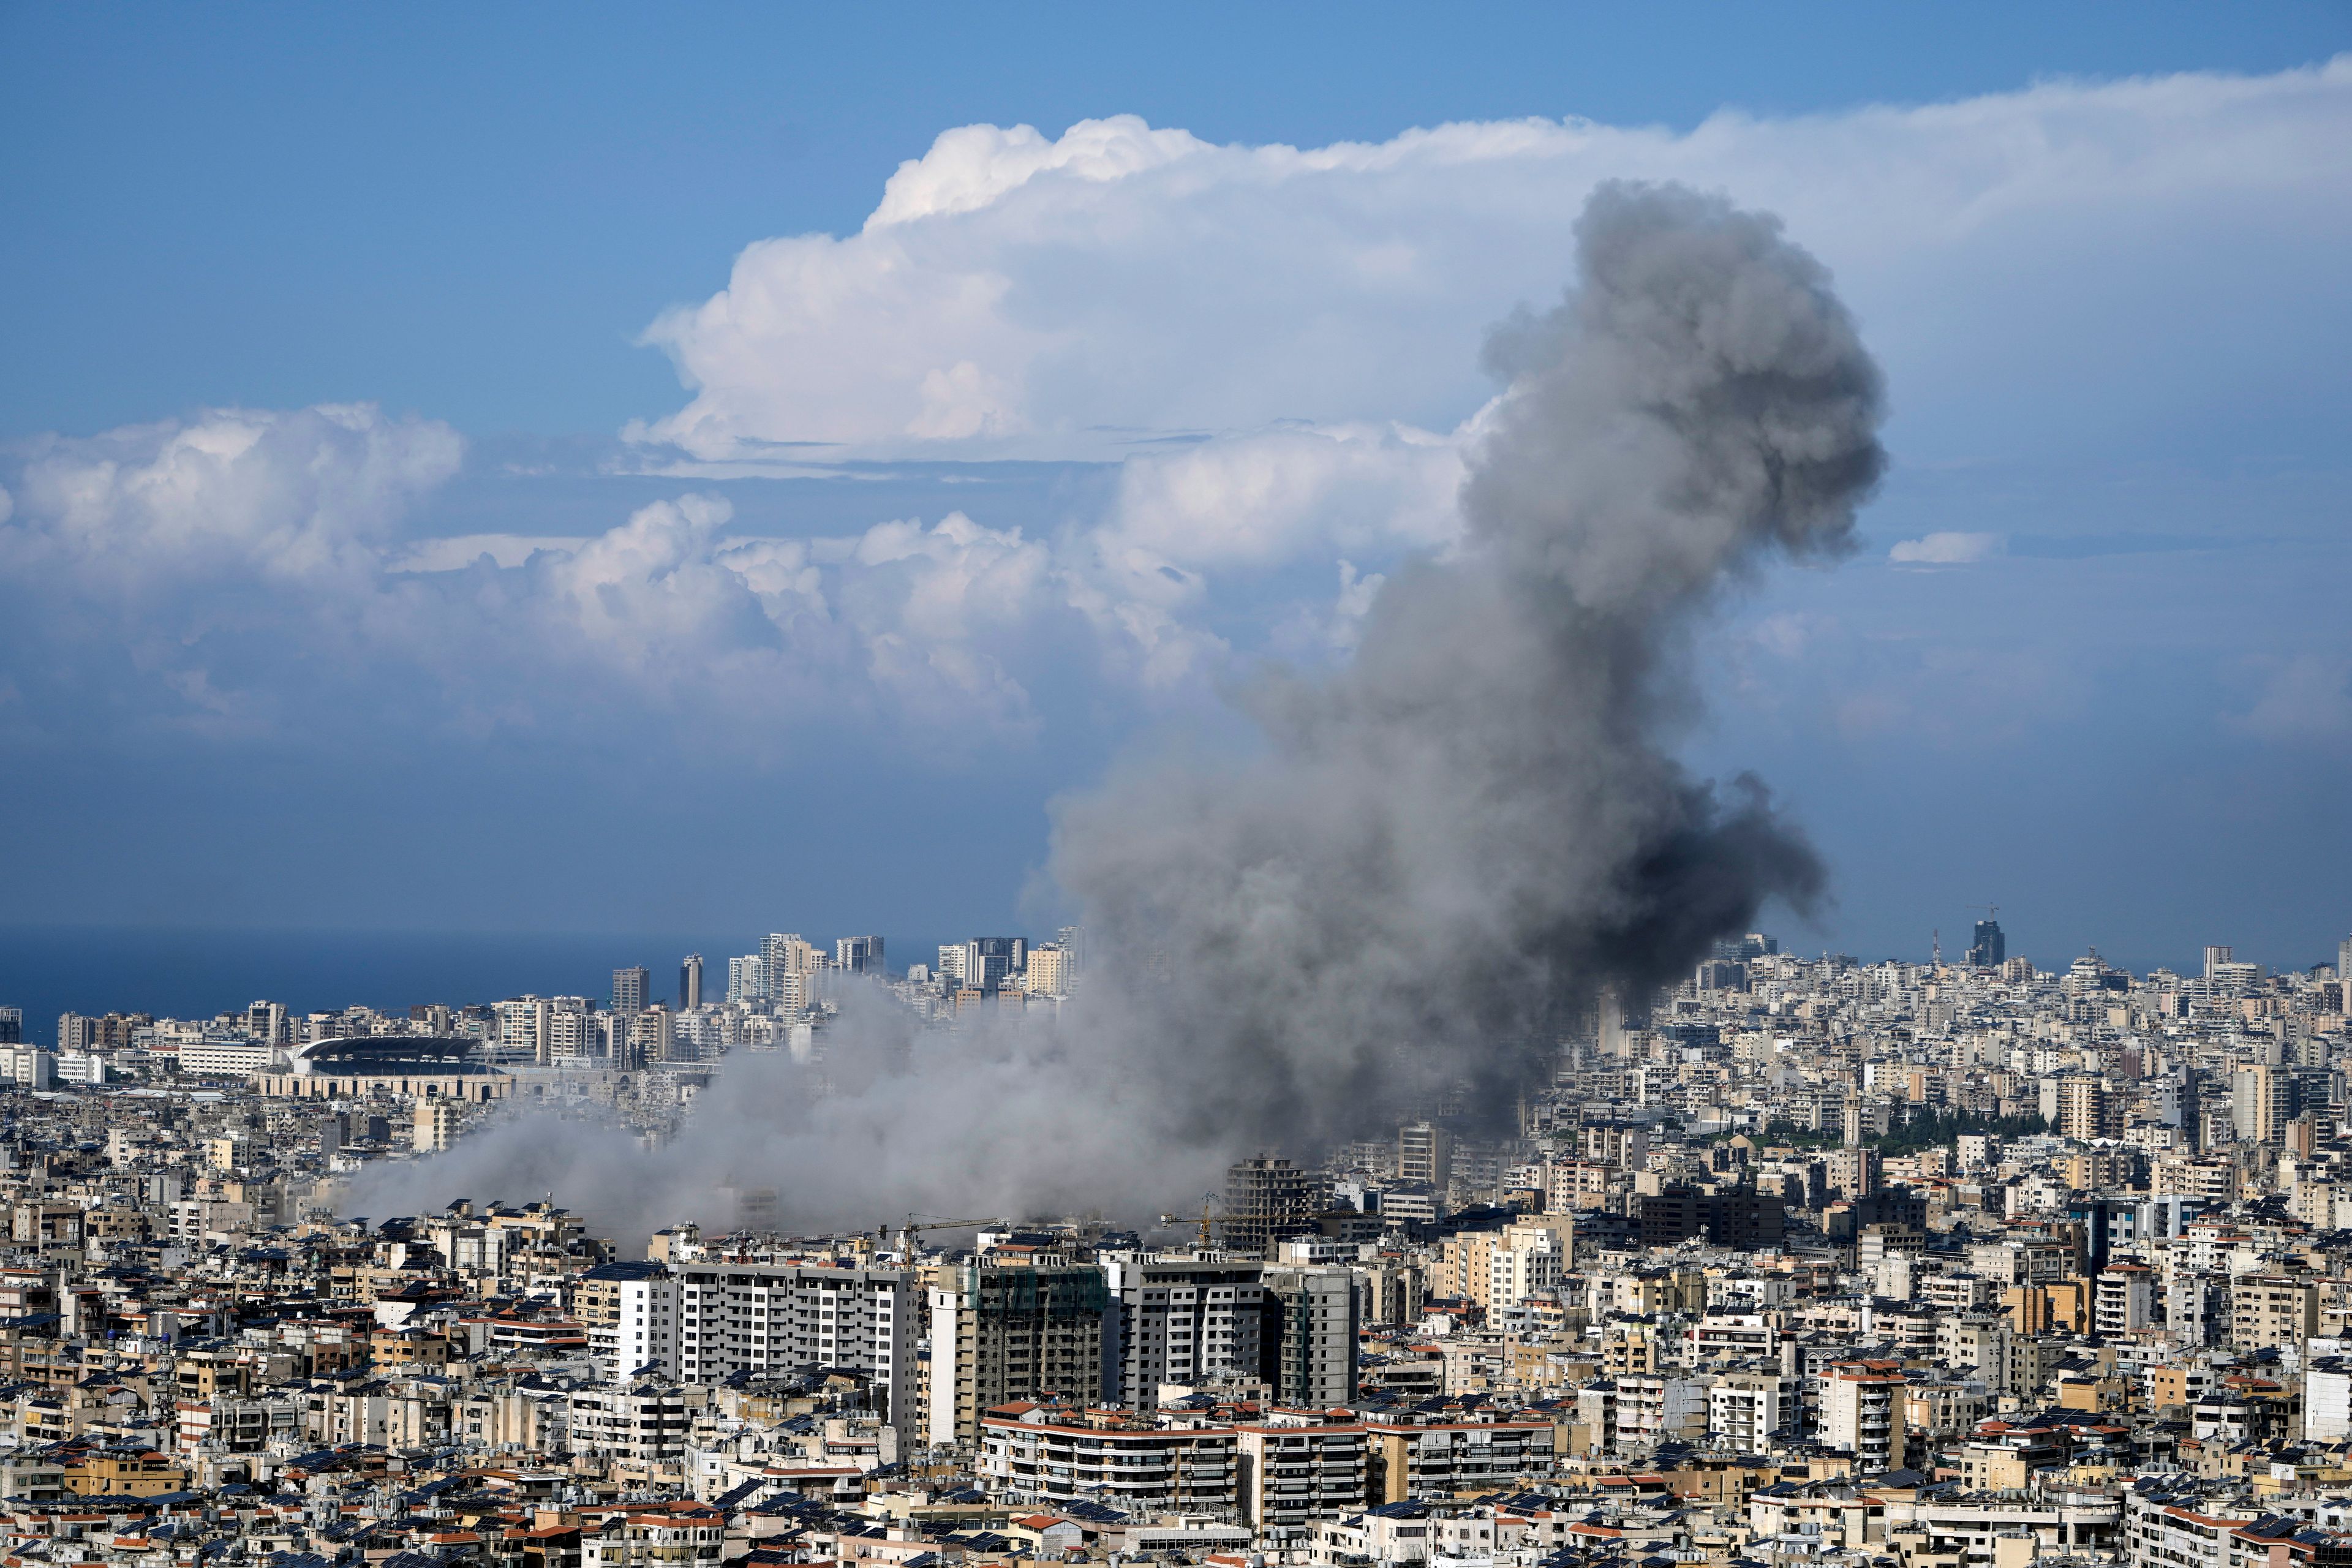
2269	1310
1862	1412
437	1125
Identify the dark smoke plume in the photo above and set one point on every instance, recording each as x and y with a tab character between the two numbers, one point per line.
1441	852
1451	843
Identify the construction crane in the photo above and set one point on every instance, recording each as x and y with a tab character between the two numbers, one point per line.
915	1223
1208	1202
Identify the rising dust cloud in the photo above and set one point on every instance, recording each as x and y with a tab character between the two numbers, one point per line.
1440	853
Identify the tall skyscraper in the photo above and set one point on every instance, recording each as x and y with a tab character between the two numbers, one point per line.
689	983
1989	948
2215	957
747	978
858	954
2344	966
12	1025
630	988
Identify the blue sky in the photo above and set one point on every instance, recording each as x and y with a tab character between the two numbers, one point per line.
2093	663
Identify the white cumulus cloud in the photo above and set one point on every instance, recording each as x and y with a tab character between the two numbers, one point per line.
253	562
1277	347
234	492
1014	293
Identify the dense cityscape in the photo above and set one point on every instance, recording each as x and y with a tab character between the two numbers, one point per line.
1962	1263
1447	544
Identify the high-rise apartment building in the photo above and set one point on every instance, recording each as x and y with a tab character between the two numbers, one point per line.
525	1026
632	989
2272	1310
2088	1110
858	954
1049	970
1863	1412
1989	949
747	980
788	952
437	1125
1852	1172
775	1318
1002	1332
12	1026
1424	1153
653	1035
1180	1320
570	1029
268	1022
1267	1199
1721	974
2261	1103
689	983
706	1322
630	1311
1307	1347
1390	1293
1498	1270
1743	1410
791	990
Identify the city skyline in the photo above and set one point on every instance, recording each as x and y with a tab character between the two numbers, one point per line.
208	986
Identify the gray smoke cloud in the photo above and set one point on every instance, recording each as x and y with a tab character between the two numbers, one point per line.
1447	846
1441	851
1002	1118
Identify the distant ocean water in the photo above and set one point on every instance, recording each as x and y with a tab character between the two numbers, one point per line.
195	974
